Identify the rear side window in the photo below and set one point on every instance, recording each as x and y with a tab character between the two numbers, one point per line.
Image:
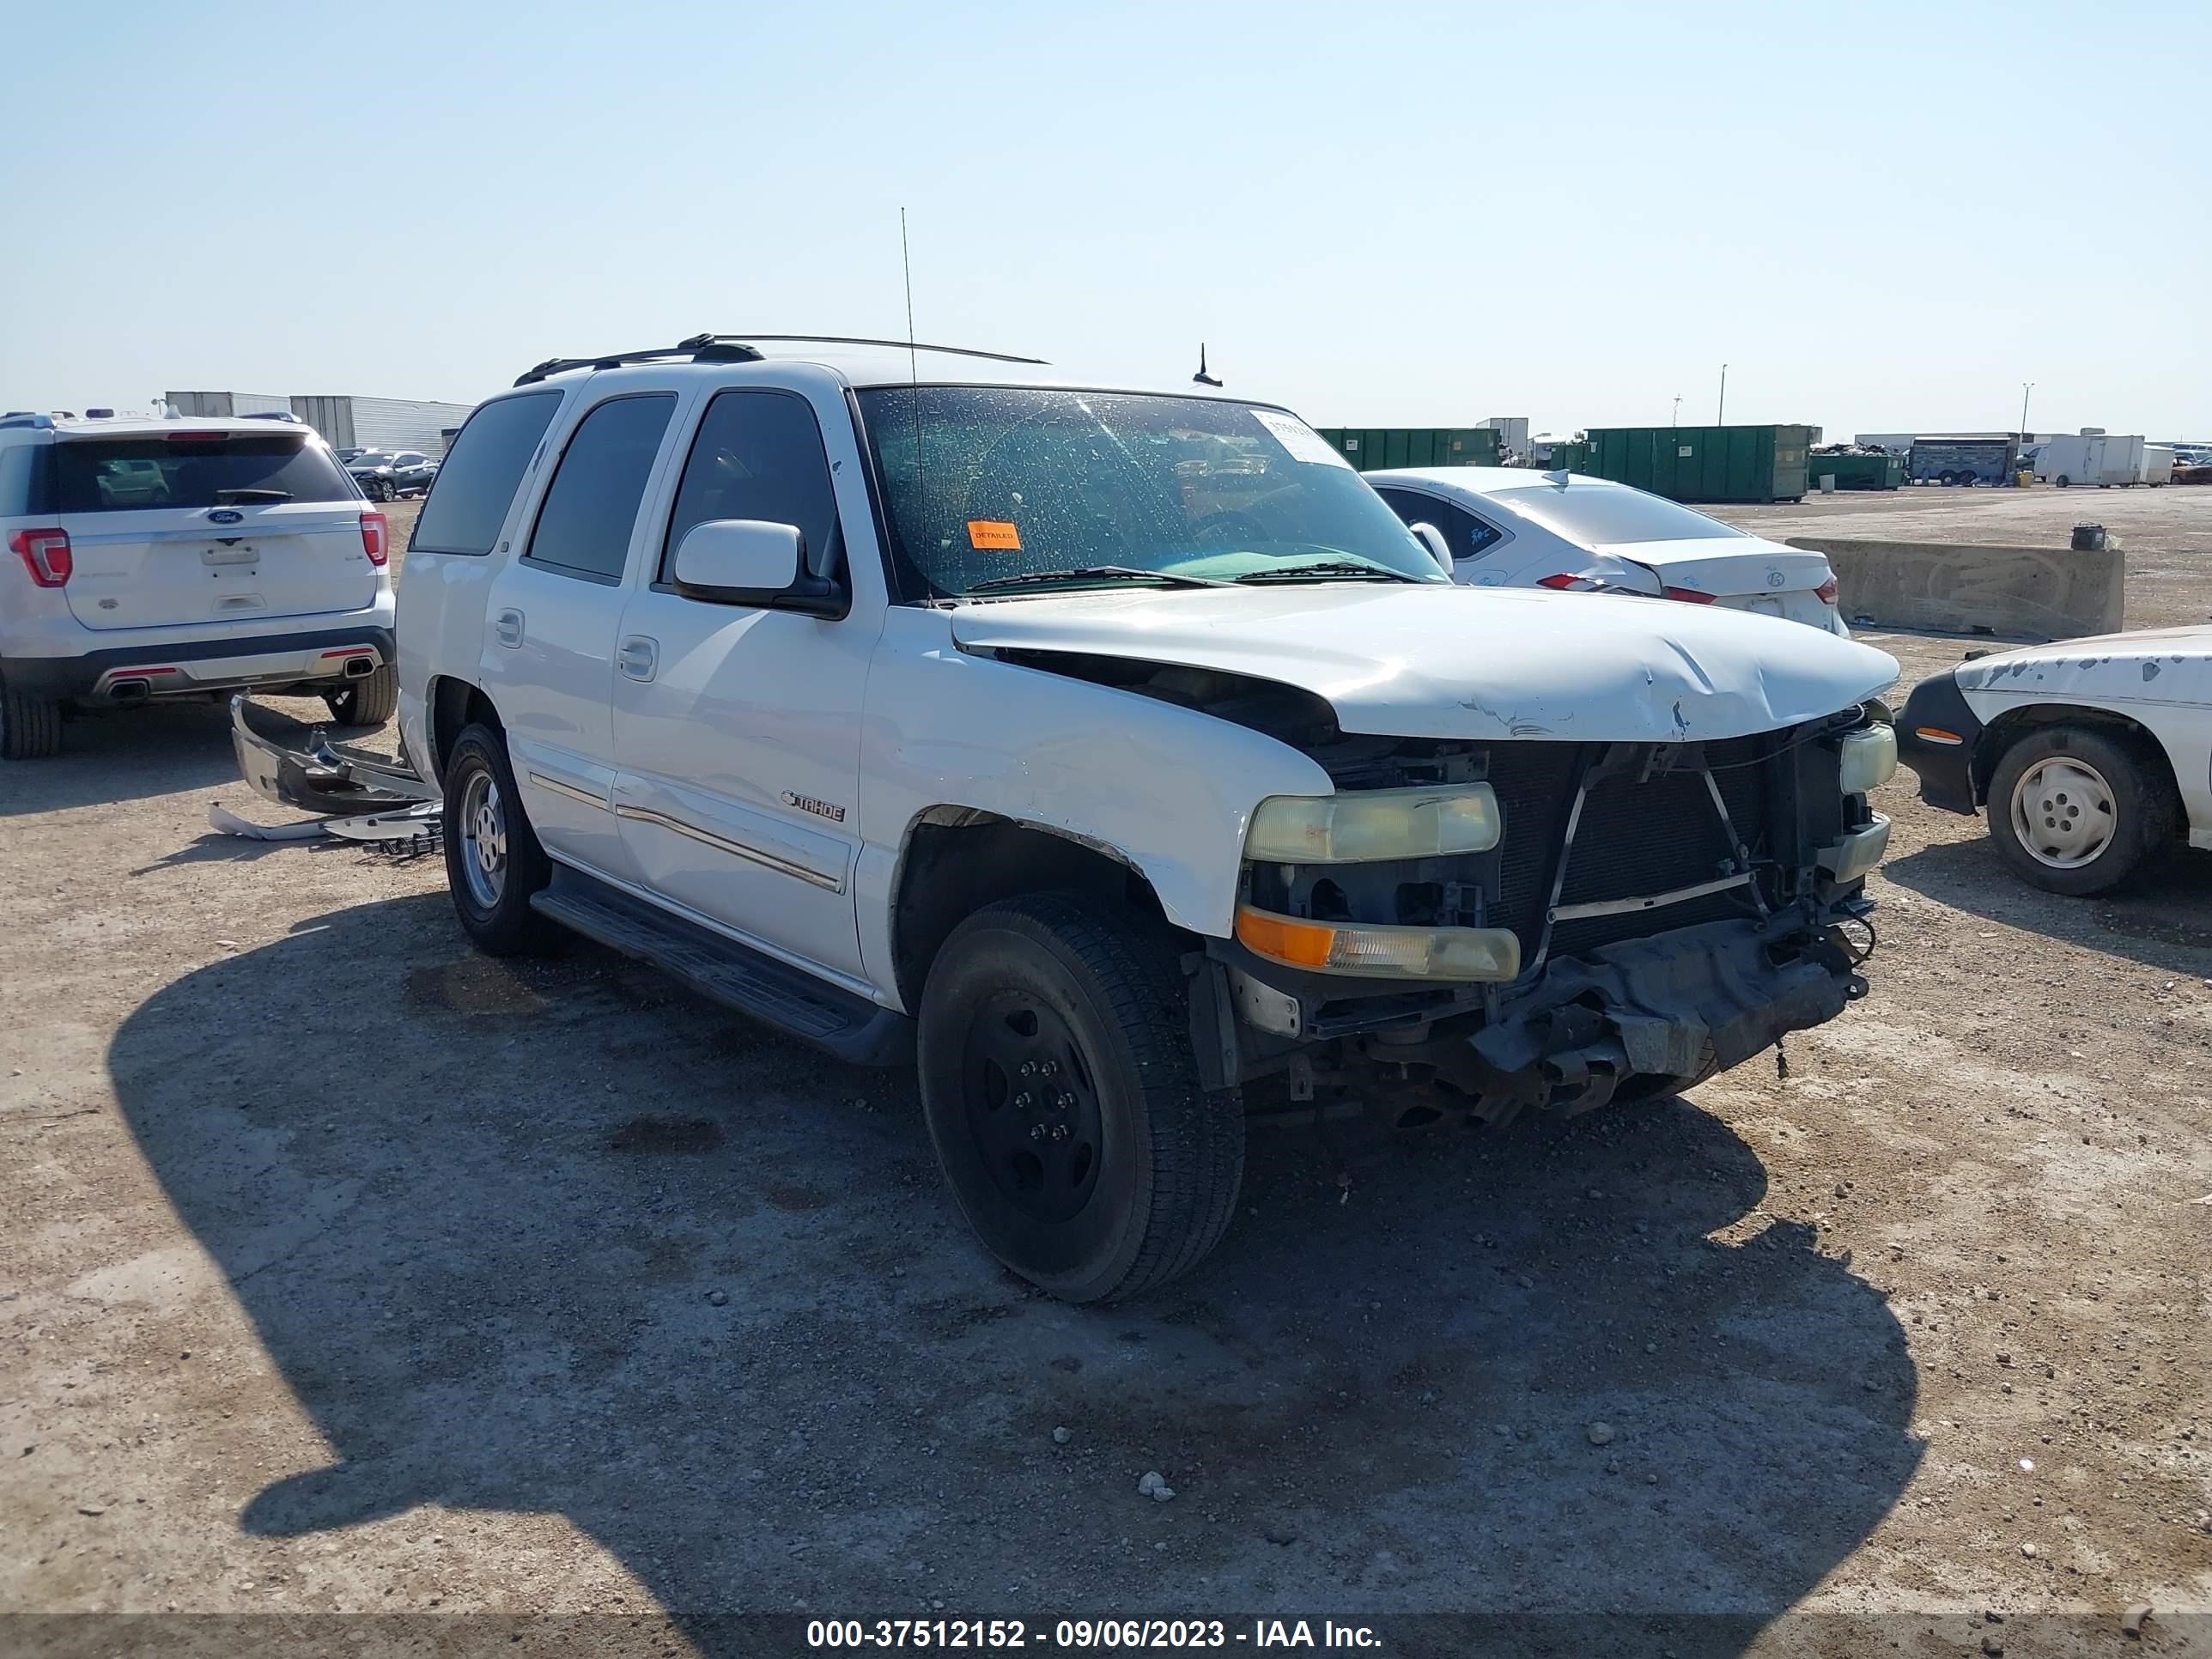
482	472
584	525
126	475
758	455
1468	537
25	480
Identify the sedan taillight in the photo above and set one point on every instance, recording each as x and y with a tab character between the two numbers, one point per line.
376	538
1827	591
1688	595
46	554
1563	583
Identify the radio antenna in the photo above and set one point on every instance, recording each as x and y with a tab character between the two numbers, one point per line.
913	371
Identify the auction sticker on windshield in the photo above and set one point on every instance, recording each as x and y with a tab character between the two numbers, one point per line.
1302	440
993	536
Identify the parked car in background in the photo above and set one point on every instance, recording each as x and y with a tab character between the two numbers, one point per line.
385	478
157	560
1107	750
2090	758
1508	527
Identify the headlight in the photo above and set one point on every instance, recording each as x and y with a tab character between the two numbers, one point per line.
1870	756
1337	947
1374	824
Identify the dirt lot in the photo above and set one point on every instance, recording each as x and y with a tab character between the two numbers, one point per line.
341	1270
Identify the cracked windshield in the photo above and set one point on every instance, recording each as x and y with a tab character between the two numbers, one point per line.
1002	489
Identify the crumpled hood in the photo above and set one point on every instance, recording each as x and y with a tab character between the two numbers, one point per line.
1435	661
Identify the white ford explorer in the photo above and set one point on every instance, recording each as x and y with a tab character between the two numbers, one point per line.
1104	750
150	560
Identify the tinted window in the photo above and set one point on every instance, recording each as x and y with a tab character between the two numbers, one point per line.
1468	537
187	470
407	459
584	525
25	480
758	455
483	470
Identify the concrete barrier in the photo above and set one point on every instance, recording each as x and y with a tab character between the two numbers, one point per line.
2013	593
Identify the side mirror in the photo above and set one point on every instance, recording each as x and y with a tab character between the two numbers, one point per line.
1433	538
754	562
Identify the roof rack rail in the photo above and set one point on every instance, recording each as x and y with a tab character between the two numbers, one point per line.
734	349
25	417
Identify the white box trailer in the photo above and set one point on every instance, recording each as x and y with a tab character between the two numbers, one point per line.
2158	463
2101	459
387	423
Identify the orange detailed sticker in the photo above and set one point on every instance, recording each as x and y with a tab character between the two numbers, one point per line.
995	534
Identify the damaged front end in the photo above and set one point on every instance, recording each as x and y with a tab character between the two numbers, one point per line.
1626	919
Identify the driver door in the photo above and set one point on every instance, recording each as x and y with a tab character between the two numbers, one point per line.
737	730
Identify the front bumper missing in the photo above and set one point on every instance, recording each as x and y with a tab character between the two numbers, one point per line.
297	765
1639	1017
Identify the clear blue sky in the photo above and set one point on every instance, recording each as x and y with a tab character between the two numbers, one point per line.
1881	216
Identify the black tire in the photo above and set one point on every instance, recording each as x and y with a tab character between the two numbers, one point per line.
371	700
386	490
495	912
30	728
1947	479
2063	481
2121	786
1055	978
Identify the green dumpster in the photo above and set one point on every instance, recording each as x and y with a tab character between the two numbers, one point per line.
1704	463
1371	448
1856	472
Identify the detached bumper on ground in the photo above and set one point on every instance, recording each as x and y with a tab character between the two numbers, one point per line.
297	766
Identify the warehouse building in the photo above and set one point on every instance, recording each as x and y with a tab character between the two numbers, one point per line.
345	422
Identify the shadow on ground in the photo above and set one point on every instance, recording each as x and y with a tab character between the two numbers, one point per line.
2161	916
483	1249
125	755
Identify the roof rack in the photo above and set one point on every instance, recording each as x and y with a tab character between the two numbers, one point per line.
25	417
734	349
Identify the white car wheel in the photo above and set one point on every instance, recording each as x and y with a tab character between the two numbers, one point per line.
2064	813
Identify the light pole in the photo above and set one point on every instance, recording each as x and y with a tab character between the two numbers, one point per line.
2026	386
1677	419
1720	414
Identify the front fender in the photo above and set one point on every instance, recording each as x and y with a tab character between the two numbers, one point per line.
1165	789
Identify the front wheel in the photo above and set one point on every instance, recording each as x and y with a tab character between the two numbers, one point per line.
2075	811
2063	481
493	860
1062	1096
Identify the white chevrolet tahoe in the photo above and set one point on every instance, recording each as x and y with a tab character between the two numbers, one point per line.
1104	751
152	560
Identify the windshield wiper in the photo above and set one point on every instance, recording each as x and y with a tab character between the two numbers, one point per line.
1113	572
1325	568
250	497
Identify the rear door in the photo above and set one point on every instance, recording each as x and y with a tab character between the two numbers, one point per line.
550	622
196	526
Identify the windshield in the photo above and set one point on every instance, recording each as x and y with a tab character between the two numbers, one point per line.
987	482
1597	516
124	475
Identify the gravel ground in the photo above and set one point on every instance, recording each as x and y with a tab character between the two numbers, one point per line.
342	1270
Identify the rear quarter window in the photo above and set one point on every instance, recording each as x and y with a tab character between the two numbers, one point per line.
25	480
481	470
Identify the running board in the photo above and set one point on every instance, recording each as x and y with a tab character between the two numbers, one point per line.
721	969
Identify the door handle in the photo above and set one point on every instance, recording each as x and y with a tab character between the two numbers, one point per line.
508	626
638	656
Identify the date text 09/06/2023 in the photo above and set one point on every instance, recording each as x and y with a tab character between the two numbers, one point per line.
1108	1634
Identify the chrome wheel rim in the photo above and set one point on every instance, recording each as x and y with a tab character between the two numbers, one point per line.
483	841
2062	812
